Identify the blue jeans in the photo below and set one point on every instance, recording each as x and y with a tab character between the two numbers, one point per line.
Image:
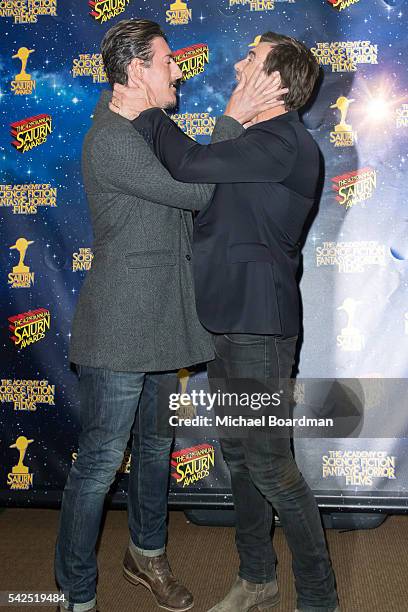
111	403
264	474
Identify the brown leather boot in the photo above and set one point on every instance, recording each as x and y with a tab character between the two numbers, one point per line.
155	574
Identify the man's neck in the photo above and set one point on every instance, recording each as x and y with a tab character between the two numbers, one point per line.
269	114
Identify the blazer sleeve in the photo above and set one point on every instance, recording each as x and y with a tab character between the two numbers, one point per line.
261	154
123	162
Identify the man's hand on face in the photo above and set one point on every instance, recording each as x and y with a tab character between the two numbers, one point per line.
132	99
256	95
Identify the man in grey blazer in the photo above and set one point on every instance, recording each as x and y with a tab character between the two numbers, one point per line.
135	323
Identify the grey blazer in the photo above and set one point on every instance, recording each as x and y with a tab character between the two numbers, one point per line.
136	309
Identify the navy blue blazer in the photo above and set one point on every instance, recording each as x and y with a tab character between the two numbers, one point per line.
246	242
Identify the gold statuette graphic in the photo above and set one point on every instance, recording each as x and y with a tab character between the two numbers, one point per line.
23	54
349	306
350	339
185	410
21	246
342	104
256	42
21	445
178	6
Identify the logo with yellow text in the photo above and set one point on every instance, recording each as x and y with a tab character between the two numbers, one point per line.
28	11
355	187
25	199
358	468
21	277
20	478
29	327
89	65
401	119
192	60
23	84
26	394
259	5
82	260
31	132
345	56
190	465
103	10
350	257
179	13
343	135
195	124
340	5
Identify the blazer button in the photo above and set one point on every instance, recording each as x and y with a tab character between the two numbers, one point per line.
188	257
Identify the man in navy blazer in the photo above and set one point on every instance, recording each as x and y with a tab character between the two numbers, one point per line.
246	257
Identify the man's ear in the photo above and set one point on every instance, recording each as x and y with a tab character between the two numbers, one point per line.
135	69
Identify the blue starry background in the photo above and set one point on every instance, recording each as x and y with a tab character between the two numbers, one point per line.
59	232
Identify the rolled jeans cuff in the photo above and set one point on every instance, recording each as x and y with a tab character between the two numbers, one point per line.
77	607
146	553
257	580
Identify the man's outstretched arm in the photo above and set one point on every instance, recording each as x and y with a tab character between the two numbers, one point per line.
258	155
245	159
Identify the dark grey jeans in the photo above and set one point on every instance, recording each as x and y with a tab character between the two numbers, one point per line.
264	474
111	403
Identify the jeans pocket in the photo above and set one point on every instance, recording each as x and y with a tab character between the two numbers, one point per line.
244	339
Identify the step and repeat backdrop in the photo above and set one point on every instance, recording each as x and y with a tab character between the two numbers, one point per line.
355	268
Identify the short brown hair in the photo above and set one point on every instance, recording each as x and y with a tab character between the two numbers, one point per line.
123	42
297	66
